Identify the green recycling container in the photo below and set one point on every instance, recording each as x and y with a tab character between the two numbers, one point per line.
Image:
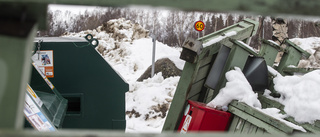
94	90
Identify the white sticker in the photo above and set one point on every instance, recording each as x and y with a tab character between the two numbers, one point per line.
43	76
186	124
187	110
35	116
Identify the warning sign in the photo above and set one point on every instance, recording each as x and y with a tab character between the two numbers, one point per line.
44	60
186	124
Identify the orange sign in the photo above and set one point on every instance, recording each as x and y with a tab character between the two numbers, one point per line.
199	25
44	60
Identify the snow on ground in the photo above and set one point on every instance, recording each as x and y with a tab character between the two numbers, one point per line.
311	45
300	95
147	102
237	88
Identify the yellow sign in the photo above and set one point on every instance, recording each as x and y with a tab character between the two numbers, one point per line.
31	91
34	96
199	25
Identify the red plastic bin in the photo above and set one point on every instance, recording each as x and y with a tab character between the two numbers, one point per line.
199	117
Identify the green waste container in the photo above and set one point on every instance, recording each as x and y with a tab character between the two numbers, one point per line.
94	90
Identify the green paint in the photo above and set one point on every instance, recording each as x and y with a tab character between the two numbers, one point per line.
250	111
179	100
256	121
91	86
269	52
15	57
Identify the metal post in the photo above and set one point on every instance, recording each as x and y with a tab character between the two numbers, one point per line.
153	53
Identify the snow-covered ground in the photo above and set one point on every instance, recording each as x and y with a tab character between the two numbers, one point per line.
311	45
147	102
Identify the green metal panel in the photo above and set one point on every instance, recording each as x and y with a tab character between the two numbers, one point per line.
233	124
261	122
14	72
269	52
253	129
179	100
242	126
260	131
246	127
291	58
303	52
259	115
95	92
243	29
239	126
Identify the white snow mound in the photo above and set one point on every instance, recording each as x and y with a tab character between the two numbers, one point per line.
300	95
237	88
311	45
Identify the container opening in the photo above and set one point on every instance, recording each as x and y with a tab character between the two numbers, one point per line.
74	105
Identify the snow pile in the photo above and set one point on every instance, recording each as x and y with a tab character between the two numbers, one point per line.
237	88
311	45
128	49
300	95
125	30
149	102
